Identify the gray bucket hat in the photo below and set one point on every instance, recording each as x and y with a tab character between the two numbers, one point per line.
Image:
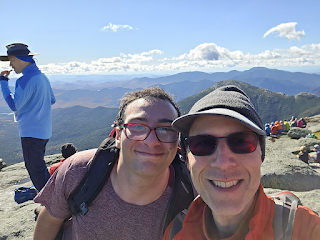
229	101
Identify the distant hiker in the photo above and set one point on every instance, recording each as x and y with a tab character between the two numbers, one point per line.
304	122
294	123
283	126
223	139
301	123
285	122
274	129
31	103
267	129
292	119
67	150
303	155
316	158
143	192
279	127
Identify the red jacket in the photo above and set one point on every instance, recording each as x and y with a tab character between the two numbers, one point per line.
274	129
54	167
306	225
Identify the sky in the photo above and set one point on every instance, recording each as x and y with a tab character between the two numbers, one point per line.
77	37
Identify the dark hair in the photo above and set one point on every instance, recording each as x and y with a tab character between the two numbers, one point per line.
68	149
152	93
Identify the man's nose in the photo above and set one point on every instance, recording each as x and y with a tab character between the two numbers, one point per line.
223	157
152	139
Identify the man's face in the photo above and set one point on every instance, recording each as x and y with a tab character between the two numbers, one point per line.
240	172
17	64
149	157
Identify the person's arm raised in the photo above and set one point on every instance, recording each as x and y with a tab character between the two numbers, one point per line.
47	227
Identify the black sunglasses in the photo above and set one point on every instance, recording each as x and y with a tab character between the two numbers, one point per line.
240	142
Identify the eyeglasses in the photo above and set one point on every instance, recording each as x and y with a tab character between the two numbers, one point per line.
140	132
240	142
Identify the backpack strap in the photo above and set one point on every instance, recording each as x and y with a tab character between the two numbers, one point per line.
98	172
177	223
182	191
286	205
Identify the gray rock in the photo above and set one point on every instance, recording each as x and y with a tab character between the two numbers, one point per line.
297	133
308	142
17	220
281	168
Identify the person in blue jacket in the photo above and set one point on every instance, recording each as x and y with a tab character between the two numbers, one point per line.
267	129
31	103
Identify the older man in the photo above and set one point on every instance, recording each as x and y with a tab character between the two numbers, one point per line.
142	194
31	103
224	140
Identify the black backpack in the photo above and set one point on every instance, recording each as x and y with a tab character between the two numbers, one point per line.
99	171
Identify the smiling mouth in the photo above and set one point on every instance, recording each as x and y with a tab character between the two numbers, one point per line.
150	154
225	184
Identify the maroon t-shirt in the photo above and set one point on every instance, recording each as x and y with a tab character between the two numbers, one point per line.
109	217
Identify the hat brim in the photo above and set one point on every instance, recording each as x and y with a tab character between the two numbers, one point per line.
183	123
6	57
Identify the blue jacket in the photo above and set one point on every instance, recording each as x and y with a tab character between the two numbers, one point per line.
267	129
31	103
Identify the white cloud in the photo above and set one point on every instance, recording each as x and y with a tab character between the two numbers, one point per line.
206	56
115	27
286	30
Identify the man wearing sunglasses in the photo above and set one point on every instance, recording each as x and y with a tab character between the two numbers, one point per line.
224	142
140	197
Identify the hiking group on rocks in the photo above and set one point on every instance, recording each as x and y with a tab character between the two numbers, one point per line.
154	164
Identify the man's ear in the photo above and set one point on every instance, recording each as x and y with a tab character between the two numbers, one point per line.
118	137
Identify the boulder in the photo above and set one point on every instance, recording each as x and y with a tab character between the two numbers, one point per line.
308	142
281	168
297	133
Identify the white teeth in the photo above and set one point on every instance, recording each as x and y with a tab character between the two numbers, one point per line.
225	184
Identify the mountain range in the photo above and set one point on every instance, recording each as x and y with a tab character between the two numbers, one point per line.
87	127
96	92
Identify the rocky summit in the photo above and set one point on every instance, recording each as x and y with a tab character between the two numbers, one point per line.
281	170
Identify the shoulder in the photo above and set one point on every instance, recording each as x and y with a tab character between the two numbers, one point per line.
306	224
79	160
72	170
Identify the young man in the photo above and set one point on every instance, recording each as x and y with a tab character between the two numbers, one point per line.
31	103
135	201
224	139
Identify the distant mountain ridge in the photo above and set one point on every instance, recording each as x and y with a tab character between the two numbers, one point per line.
107	94
87	127
270	105
185	84
305	79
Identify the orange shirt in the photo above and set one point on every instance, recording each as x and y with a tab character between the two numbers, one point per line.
259	227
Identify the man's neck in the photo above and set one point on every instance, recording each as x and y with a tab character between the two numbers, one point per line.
227	226
138	189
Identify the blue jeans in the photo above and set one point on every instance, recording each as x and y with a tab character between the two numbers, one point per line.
33	154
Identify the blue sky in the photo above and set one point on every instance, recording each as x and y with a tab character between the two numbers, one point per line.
160	37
